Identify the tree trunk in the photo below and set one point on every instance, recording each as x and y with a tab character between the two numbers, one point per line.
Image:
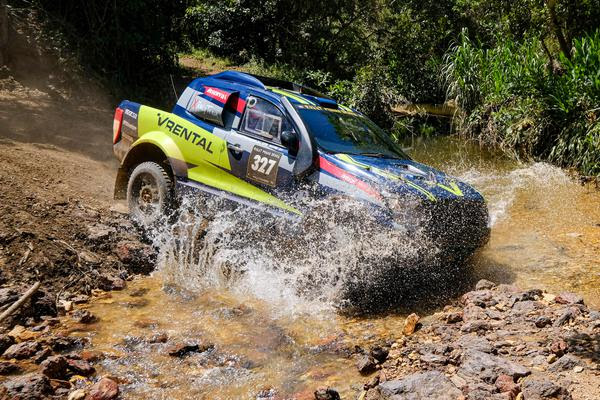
3	31
565	47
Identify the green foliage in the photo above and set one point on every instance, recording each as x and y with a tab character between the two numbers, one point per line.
512	97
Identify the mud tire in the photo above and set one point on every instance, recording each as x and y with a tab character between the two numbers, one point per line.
150	194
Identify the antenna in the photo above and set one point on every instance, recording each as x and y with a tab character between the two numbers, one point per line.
173	86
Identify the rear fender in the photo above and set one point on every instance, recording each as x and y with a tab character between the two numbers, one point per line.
152	146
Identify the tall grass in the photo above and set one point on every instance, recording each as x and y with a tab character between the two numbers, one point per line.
513	97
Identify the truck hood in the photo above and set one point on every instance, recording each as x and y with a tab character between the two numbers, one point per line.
390	177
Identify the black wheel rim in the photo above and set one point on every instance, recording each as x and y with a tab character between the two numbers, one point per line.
146	195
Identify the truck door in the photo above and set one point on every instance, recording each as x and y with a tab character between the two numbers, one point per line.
254	149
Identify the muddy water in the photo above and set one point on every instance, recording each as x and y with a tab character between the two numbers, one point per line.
545	233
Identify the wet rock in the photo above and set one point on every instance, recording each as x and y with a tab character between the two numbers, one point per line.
326	394
484	284
182	349
365	364
566	362
109	282
454	317
99	233
159	338
410	325
22	350
80	299
81	367
91	356
7	368
5	342
380	353
41	355
543	321
60	343
426	385
568	298
506	384
55	367
78	394
138	256
488	367
539	389
104	389
31	386
84	317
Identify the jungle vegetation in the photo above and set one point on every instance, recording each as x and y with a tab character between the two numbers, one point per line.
525	74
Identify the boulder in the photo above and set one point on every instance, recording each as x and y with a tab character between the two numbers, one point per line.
104	389
540	389
410	325
30	386
365	364
425	386
568	298
55	367
488	367
22	350
565	363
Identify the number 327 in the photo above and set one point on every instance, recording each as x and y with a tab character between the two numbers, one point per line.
263	165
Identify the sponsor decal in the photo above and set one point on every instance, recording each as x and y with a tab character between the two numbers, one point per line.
263	165
217	94
184	133
348	178
131	114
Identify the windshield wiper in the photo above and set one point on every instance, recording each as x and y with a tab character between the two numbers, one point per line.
378	155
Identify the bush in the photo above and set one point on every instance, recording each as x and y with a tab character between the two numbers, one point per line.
511	96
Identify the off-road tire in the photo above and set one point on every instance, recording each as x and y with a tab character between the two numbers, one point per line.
150	194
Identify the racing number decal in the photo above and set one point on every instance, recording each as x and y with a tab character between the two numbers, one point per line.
263	165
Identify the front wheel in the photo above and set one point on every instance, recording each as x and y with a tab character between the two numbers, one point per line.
149	194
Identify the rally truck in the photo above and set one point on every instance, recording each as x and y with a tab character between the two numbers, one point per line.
261	143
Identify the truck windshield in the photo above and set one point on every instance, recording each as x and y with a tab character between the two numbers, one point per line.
340	131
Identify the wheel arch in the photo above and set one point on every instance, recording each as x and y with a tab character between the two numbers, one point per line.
163	151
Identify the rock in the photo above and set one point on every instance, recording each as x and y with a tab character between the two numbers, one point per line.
488	367
5	342
454	317
91	356
55	367
78	394
80	299
326	394
578	369
527	306
104	389
434	359
365	364
7	368
98	233
31	387
426	385
479	298
568	298
594	315
543	321
108	282
528	295
380	353
81	367
458	381
484	284
8	296
476	325
41	355
505	383
22	350
182	349
559	347
538	389
475	342
60	343
410	325
551	358
566	362
84	317
568	315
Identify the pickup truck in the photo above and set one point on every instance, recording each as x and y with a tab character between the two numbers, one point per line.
270	144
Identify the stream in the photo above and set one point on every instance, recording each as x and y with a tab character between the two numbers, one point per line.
266	335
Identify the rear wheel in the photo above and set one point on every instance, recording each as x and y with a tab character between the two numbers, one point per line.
149	194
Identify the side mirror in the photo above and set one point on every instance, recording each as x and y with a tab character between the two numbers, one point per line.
290	140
